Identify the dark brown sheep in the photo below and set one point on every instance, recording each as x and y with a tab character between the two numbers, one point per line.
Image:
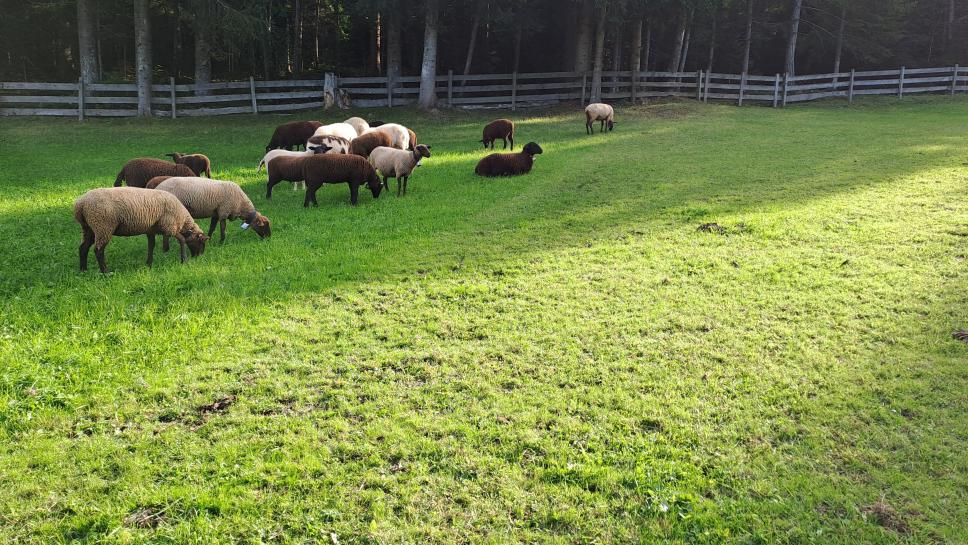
354	170
138	171
195	161
365	144
376	123
509	164
153	183
284	169
292	135
499	129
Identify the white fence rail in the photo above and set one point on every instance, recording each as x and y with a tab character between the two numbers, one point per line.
499	90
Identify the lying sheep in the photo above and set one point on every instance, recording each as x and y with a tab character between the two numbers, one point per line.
216	199
131	211
153	183
509	164
354	170
292	134
195	161
358	123
399	164
371	140
336	144
599	112
399	135
499	128
342	130
285	168
138	171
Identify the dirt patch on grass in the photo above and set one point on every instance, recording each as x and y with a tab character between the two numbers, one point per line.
885	515
146	517
960	335
219	405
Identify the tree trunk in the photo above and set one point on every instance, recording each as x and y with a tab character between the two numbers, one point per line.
428	68
97	32
87	42
518	34
685	47
379	44
394	55
840	37
203	58
596	94
142	51
712	41
472	43
616	56
297	36
791	52
584	40
176	40
648	46
951	21
748	40
635	62
680	37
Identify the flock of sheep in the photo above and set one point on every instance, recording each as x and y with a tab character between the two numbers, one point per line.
164	198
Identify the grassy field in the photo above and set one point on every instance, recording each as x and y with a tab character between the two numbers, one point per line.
557	358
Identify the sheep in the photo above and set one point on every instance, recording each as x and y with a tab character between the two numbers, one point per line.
358	123
285	168
195	161
413	140
336	144
354	170
272	154
599	112
138	171
371	140
292	134
376	123
399	164
508	164
499	128
219	200
153	183
399	135
131	211
343	130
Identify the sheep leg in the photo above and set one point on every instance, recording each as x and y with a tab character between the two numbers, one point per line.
151	249
588	127
85	248
355	193
181	247
399	184
602	127
221	229
405	180
165	245
310	197
505	140
511	138
211	227
386	185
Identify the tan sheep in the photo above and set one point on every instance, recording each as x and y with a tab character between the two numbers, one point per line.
399	164
131	211
216	199
358	123
599	112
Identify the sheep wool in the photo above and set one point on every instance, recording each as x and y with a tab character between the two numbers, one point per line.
399	164
153	183
292	134
272	154
354	170
365	144
509	164
358	123
216	199
336	144
502	129
399	135
130	211
285	169
137	172
342	130
599	112
199	163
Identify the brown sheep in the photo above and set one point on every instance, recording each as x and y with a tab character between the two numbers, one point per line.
195	161
354	170
499	128
284	169
138	171
153	183
292	135
365	144
509	164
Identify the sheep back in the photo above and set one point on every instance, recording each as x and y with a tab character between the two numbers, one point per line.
153	183
358	123
336	129
137	172
204	198
199	163
365	144
508	164
130	211
498	129
399	135
333	169
292	134
599	112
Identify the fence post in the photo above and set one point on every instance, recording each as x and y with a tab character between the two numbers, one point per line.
954	80
584	80
635	83
705	87
450	88
255	105
389	91
786	83
699	85
80	99
742	88
171	93
900	83
514	90
776	90
850	88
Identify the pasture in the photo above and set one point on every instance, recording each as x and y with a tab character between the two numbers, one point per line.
562	357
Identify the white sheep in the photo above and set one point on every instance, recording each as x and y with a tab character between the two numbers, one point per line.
399	135
216	199
343	130
599	112
359	124
396	163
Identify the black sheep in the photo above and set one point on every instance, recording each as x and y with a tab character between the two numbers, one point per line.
327	168
291	135
499	129
509	164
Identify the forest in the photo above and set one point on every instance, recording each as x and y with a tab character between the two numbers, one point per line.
198	41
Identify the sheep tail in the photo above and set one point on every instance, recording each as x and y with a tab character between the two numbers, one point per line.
208	172
261	164
119	179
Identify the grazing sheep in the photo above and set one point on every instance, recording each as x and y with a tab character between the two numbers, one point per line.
218	200
365	144
153	183
336	144
138	171
358	123
131	211
499	128
399	135
354	170
195	161
508	164
285	169
399	164
292	134
599	112
343	130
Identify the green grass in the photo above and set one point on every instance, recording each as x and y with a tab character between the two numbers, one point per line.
556	358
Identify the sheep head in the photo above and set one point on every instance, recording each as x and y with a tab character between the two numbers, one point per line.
320	149
532	149
195	239
374	183
610	124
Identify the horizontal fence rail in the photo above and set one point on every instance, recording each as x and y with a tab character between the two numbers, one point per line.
479	90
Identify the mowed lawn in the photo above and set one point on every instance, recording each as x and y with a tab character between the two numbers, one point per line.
557	358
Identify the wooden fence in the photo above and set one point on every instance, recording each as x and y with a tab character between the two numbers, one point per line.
483	90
